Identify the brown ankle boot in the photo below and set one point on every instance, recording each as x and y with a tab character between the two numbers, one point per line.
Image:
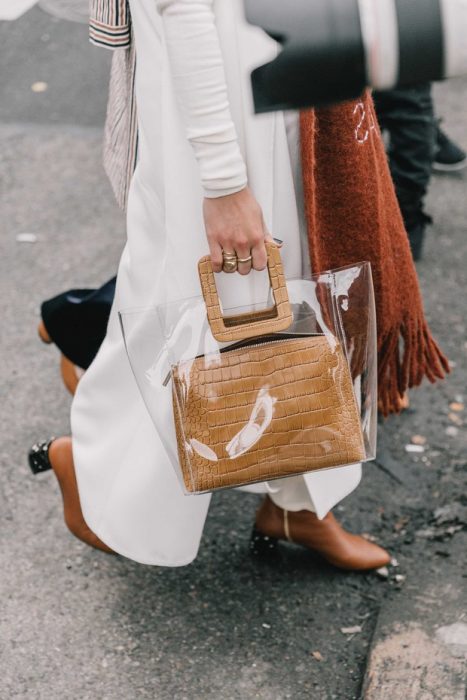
61	459
325	537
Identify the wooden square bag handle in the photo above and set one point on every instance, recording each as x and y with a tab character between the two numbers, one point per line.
227	329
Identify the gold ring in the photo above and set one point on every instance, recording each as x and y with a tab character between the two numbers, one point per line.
230	265
229	256
245	260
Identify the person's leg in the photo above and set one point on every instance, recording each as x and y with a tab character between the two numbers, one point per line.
76	321
318	491
71	374
408	115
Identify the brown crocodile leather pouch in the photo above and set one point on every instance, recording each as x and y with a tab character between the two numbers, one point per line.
272	405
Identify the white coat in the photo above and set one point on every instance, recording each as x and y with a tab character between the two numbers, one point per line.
129	493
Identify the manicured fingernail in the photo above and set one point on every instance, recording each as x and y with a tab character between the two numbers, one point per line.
278	241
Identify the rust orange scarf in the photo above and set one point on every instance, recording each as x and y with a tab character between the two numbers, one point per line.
353	215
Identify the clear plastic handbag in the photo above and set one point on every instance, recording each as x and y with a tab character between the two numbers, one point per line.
246	395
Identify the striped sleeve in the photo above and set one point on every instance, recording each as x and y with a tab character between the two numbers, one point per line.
109	23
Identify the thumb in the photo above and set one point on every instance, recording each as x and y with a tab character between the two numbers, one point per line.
274	241
269	239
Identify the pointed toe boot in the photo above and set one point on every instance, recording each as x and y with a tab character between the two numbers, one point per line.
56	455
324	537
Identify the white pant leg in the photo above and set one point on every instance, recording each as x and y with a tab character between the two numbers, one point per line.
319	491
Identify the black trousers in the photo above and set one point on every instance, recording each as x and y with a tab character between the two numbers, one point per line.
407	114
77	321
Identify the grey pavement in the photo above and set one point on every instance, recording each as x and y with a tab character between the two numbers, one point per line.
75	623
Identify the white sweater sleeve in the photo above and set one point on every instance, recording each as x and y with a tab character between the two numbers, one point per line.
199	79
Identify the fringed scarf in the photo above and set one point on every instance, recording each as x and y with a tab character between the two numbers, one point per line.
353	216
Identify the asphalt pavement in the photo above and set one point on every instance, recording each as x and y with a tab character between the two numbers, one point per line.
75	623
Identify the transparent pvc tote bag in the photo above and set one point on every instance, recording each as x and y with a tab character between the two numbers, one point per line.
246	395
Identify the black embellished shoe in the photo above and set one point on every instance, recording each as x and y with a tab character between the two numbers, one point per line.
263	545
38	457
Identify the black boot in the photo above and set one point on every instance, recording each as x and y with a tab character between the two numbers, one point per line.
416	239
449	156
416	227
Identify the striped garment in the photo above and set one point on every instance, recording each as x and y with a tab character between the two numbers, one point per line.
110	27
110	23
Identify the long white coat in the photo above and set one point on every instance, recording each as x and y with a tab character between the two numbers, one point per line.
130	496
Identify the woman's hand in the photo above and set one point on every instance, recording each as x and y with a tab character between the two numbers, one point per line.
235	224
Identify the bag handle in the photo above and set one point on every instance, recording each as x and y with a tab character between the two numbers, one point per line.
227	329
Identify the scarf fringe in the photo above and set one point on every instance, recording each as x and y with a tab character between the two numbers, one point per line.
407	355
